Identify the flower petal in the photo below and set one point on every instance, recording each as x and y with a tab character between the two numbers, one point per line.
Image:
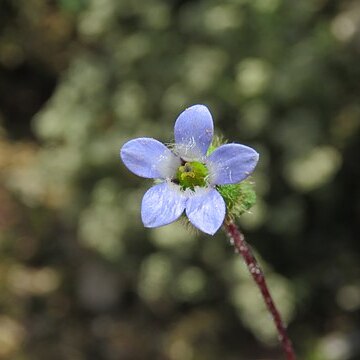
194	131
231	163
162	204
206	210
149	158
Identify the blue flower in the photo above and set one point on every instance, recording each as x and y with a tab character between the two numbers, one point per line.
188	172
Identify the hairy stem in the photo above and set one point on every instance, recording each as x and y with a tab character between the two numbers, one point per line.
242	247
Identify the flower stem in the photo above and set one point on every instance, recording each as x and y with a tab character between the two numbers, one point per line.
242	247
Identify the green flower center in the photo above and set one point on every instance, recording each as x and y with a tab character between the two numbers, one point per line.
192	174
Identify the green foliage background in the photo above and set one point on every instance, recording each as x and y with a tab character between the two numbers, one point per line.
80	277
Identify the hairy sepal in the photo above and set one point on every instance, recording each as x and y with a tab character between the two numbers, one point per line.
239	198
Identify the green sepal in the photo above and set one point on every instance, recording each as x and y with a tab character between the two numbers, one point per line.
239	198
216	142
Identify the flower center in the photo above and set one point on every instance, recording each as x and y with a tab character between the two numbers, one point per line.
192	174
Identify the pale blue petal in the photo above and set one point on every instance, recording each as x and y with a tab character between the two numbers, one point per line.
162	204
231	163
149	158
206	210
194	131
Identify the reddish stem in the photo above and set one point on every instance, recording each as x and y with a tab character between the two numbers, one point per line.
242	247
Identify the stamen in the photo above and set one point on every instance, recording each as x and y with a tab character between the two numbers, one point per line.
192	174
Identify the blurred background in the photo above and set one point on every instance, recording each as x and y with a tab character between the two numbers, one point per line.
80	278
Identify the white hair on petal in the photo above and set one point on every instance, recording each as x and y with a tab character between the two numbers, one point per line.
198	190
167	165
213	170
188	193
189	151
175	187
